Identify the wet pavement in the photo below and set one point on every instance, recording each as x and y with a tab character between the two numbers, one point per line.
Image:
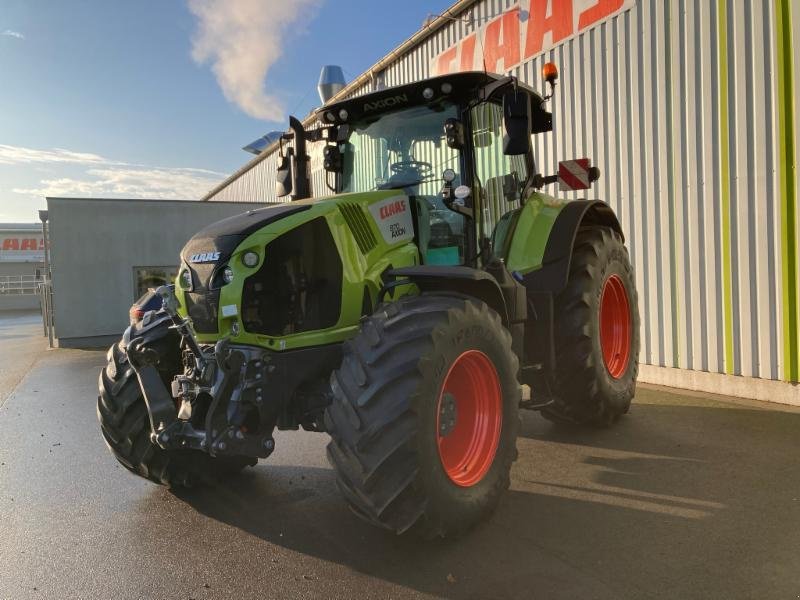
690	496
21	344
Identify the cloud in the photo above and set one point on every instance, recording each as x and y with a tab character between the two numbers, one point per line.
156	183
242	39
106	178
14	155
12	33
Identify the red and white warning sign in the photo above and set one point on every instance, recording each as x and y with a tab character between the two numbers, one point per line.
574	175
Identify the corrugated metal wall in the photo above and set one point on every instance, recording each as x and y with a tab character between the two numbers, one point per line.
689	109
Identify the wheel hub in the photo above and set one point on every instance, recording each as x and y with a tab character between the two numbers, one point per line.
447	415
469	418
615	326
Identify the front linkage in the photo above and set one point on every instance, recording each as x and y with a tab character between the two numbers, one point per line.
229	376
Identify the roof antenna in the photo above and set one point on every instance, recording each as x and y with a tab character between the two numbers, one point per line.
470	20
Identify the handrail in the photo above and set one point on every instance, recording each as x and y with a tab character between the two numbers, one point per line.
19	284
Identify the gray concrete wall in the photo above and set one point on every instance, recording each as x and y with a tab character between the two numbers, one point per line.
96	243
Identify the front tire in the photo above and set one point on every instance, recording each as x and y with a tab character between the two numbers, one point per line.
597	325
425	415
125	426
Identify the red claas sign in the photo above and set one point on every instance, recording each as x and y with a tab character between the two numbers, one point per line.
22	244
21	247
522	32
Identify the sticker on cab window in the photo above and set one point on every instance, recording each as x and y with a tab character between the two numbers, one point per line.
393	217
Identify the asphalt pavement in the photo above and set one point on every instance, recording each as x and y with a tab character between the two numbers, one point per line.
690	496
21	343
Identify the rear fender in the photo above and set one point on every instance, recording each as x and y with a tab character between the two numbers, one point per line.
543	284
554	272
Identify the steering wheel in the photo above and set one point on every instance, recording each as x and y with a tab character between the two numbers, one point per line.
423	169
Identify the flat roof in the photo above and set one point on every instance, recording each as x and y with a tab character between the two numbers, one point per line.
20	226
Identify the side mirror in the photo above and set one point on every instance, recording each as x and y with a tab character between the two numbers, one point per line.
283	178
517	122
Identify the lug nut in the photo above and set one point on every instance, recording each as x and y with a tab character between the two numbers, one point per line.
222	446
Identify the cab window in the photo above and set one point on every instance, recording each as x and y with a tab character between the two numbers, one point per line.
406	150
499	178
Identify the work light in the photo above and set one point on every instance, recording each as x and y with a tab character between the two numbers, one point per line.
250	259
186	279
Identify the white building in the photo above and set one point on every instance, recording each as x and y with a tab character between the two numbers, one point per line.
21	264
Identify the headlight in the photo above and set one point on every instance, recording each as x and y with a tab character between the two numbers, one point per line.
186	279
250	259
227	275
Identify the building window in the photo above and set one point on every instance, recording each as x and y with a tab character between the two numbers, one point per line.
145	278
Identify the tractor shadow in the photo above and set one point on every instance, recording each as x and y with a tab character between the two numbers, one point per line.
686	498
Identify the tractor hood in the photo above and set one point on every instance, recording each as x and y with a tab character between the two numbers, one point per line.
388	210
215	244
316	252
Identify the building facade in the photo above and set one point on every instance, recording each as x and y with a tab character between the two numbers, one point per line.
21	265
690	110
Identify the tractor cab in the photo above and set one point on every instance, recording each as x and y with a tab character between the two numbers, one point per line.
458	146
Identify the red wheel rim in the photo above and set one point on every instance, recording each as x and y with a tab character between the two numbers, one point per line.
469	417
615	326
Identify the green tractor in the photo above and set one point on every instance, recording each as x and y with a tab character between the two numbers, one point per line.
400	315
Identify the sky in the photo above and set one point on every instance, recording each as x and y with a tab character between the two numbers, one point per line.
155	98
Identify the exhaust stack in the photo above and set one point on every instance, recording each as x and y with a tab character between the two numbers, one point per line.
331	81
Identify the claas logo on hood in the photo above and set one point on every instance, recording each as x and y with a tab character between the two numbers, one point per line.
204	257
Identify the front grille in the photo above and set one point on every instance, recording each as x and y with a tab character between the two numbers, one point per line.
359	226
202	309
201	274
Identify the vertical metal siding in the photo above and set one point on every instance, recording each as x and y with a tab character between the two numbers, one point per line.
679	104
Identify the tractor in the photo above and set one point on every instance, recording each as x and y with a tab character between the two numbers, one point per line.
402	314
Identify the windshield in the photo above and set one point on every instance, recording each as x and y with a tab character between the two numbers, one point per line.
402	149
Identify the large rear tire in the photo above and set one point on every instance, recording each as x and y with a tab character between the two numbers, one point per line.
425	415
597	326
125	426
